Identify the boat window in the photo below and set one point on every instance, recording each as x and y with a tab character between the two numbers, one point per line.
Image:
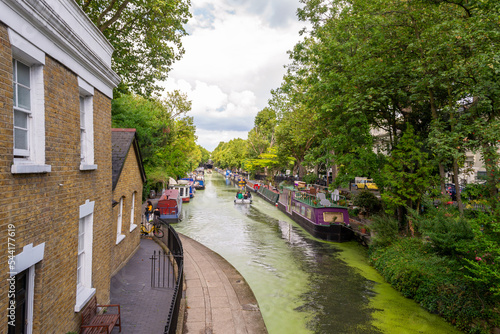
333	217
308	213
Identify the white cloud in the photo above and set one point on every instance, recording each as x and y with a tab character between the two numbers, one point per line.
235	55
212	138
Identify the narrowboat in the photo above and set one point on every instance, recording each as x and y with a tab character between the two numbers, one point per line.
316	214
190	183
253	185
269	194
170	205
183	190
199	184
240	180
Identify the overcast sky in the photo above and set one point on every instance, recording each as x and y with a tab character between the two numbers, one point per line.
235	53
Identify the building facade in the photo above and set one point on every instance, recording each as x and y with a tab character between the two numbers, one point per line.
128	181
56	88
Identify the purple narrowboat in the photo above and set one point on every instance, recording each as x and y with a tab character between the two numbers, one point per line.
316	214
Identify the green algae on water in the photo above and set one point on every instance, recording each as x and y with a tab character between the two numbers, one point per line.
393	313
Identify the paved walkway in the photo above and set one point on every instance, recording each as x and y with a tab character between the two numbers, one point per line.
218	298
144	309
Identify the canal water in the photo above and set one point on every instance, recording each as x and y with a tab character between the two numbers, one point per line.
302	284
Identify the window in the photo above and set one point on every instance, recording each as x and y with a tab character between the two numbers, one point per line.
23	277
333	217
119	235
82	130
86	126
29	111
132	213
22	108
84	290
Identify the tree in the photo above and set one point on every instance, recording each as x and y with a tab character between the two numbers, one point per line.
269	161
205	155
230	155
261	137
146	36
166	136
408	174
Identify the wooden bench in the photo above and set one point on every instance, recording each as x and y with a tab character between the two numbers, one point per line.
92	322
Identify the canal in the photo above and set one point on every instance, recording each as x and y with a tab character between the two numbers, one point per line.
302	284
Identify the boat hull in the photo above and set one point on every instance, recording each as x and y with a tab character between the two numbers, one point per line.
332	232
269	195
242	201
170	219
330	222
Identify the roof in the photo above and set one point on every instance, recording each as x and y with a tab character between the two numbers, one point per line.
170	194
121	142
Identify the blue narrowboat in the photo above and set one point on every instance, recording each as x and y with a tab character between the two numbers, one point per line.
189	181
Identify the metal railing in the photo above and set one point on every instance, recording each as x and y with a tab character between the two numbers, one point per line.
173	242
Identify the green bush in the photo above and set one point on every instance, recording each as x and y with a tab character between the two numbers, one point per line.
445	230
368	202
475	191
437	283
310	178
385	228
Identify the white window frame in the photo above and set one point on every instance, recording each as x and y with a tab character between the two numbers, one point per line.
26	260
84	289
133	225
87	132
119	223
33	160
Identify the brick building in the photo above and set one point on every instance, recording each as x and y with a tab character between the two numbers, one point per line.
56	88
128	179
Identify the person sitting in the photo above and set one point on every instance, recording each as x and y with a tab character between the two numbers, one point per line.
240	195
245	196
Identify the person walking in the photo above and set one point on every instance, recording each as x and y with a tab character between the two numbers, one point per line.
149	210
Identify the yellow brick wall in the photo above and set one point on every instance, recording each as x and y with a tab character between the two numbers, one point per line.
45	207
130	181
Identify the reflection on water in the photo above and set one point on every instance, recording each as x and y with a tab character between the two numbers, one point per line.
303	285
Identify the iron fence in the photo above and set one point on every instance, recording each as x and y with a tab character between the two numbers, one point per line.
173	242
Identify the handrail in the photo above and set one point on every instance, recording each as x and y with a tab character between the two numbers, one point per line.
174	244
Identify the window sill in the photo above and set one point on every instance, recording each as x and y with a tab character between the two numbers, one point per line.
88	167
82	297
133	227
30	168
119	238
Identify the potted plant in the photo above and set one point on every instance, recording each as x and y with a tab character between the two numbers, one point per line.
362	229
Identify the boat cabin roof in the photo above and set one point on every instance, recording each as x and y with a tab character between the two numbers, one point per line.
170	194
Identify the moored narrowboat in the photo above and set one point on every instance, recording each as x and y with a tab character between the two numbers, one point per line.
183	190
316	214
170	205
271	195
190	184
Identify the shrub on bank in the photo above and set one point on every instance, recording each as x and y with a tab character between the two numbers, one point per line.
368	202
451	267
442	284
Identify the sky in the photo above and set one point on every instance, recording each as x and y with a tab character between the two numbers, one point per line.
235	54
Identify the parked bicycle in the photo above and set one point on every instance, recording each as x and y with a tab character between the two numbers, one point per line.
155	229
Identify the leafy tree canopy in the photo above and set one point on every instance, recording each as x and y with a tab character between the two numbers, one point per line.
146	35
